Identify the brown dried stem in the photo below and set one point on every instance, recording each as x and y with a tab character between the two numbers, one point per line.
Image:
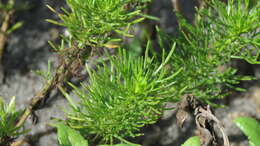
3	31
63	71
204	118
3	38
176	5
61	74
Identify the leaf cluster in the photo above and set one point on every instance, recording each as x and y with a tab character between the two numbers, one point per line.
8	118
122	96
92	21
204	49
236	29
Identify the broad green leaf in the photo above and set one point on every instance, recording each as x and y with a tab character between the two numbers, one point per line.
69	137
251	128
193	141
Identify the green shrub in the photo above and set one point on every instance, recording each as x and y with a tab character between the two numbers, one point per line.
127	92
204	50
91	22
123	96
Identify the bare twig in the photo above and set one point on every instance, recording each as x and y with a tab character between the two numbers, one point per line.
63	71
176	5
58	78
3	30
3	39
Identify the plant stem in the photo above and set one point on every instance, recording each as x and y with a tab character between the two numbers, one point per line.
176	5
3	39
62	72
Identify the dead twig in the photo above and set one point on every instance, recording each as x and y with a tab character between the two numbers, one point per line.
204	118
63	71
61	74
176	5
3	39
3	30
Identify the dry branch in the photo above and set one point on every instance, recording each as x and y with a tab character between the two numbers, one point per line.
3	39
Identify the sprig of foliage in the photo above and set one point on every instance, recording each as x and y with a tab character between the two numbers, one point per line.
205	49
8	118
122	97
236	29
91	22
77	47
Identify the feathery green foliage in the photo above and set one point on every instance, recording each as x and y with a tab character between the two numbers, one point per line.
128	92
91	22
205	49
123	96
8	119
236	29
